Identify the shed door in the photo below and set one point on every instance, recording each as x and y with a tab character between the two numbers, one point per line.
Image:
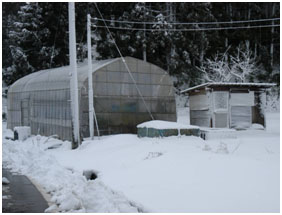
25	116
241	116
220	101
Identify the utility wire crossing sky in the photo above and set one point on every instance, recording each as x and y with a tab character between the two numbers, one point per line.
188	23
190	29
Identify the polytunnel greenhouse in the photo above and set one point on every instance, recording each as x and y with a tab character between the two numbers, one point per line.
42	99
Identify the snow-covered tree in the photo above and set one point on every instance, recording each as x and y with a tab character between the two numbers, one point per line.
27	46
243	64
217	69
237	67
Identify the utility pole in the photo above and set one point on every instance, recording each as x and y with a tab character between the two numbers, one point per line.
90	87
144	44
272	35
73	81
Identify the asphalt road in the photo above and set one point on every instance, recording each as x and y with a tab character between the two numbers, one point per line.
20	195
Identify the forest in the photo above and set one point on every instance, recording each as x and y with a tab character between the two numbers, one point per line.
190	40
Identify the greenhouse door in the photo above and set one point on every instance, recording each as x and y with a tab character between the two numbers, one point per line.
220	101
25	113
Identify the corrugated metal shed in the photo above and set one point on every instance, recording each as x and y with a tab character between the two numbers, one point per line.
227	105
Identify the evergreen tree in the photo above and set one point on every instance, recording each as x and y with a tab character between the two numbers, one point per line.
35	36
55	19
27	43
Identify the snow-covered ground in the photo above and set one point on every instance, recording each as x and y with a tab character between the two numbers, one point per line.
174	174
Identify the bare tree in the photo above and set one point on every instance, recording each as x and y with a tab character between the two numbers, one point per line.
230	68
217	69
243	64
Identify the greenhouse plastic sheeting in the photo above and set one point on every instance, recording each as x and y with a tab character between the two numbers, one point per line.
42	99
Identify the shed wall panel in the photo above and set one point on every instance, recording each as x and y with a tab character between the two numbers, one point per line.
242	99
199	102
200	118
220	100
241	116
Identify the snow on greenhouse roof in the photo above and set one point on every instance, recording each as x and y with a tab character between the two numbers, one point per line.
214	84
57	78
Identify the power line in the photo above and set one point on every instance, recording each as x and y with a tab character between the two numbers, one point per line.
191	23
183	29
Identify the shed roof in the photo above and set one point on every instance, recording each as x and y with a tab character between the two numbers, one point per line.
217	84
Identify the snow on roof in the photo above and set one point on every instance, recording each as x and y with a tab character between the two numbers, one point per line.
211	84
160	124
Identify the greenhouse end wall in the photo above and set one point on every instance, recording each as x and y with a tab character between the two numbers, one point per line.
47	113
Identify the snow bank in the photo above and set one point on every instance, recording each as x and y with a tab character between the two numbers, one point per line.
256	126
187	174
69	189
160	124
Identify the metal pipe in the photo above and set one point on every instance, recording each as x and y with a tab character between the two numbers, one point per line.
90	87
